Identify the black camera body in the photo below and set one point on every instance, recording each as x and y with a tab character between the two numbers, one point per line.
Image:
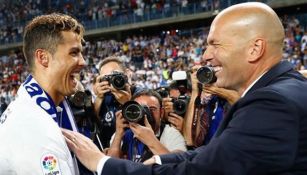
132	111
117	79
206	75
163	91
83	109
180	104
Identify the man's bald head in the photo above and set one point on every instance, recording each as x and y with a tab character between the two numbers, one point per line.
245	41
253	20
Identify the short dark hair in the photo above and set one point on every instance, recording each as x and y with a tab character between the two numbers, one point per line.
112	59
44	32
148	92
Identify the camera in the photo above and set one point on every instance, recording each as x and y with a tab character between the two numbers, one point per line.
82	109
180	104
116	79
81	102
132	111
206	75
163	91
180	81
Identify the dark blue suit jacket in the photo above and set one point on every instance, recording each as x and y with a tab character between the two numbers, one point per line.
265	132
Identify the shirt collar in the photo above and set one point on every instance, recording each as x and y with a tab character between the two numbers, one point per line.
251	85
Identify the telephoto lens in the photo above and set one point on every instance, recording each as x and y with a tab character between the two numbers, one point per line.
206	75
132	111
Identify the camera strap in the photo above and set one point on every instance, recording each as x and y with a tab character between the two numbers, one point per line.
201	116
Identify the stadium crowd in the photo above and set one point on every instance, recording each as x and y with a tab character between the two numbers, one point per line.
14	14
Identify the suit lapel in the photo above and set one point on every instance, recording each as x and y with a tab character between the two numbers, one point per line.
274	72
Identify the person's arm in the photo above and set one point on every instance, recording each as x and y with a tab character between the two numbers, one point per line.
176	121
121	124
189	116
100	88
230	95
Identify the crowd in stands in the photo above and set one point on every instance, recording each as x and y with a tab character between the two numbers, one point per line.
152	58
14	14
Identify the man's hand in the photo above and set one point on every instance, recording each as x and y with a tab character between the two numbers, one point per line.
86	151
194	79
230	95
121	123
176	121
122	96
145	134
167	105
100	88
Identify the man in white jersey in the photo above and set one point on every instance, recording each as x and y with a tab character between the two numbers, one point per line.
31	139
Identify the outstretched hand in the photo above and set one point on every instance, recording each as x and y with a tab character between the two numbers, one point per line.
86	151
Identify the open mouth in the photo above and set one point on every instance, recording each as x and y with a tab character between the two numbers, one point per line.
74	76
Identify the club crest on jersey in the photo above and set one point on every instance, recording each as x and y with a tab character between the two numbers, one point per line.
50	165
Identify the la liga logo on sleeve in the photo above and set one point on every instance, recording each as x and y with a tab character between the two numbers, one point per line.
50	165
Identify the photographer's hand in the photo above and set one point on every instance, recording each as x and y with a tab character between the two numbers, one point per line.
230	95
167	105
121	124
101	87
194	79
147	136
122	96
176	121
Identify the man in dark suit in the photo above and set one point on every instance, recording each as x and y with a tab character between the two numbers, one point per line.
265	131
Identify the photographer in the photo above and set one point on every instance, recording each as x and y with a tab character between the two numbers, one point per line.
176	99
112	90
207	107
148	136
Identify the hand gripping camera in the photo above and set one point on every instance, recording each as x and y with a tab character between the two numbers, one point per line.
134	112
180	104
116	79
206	75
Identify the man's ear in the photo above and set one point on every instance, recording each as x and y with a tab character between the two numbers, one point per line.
42	57
256	50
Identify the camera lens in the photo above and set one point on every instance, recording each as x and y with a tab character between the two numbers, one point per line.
78	99
205	75
180	107
119	82
132	111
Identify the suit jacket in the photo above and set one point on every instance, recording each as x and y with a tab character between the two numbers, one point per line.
265	132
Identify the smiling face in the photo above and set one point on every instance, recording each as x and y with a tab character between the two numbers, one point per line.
65	65
226	53
245	41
